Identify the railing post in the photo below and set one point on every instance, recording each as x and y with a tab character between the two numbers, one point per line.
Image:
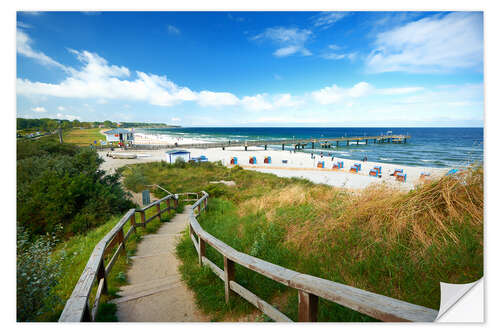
176	202
202	246
121	239
158	209
132	221
101	274
168	204
86	313
308	307
143	218
228	276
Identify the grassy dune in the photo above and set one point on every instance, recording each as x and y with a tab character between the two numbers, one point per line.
84	137
382	240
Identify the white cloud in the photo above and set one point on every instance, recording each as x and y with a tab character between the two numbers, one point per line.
24	48
327	19
399	91
336	94
432	44
339	56
289	40
23	25
256	103
99	80
287	100
39	109
174	119
61	108
209	98
173	30
67	116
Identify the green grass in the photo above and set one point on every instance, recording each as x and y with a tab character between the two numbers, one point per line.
367	241
83	137
75	252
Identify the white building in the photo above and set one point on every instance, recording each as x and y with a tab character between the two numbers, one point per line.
119	134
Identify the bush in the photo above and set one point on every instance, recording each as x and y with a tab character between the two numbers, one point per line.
62	184
37	275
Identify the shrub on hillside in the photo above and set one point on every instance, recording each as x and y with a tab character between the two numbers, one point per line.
37	274
62	184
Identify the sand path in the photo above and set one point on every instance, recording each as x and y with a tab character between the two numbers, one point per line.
155	292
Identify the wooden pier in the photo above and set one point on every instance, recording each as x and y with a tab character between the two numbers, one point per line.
295	143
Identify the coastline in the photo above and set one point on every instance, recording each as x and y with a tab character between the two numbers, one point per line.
298	164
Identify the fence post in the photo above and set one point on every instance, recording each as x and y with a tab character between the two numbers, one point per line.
143	218
121	239
86	313
202	246
101	274
132	221
308	307
228	276
168	204
158	209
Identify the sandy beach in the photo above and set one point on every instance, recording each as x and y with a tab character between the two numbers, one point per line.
290	164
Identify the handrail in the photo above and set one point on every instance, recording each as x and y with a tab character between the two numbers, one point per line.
77	307
309	287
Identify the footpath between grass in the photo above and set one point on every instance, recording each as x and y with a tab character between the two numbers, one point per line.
74	253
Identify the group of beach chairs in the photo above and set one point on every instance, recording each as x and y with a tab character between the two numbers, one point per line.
251	160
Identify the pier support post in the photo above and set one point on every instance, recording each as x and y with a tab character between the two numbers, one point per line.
347	142
282	146
312	143
223	148
246	148
337	145
265	147
366	141
357	142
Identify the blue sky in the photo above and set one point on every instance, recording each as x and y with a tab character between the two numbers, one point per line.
253	68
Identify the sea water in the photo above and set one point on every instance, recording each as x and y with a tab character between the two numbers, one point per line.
432	147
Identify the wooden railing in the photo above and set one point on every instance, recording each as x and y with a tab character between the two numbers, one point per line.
77	307
309	288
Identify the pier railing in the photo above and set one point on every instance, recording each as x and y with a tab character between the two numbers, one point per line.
399	138
309	288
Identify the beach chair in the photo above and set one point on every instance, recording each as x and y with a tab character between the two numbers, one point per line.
321	164
340	164
267	160
358	165
397	171
401	177
284	161
424	175
234	160
353	169
379	168
253	160
373	173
